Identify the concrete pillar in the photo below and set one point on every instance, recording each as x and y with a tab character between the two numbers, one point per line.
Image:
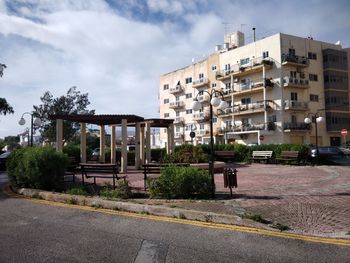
148	143
102	144
124	157
59	134
265	97
113	157
137	146
83	142
142	145
172	143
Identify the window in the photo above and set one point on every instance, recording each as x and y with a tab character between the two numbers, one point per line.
246	100
272	118
166	101
311	55
189	111
313	77
294	96
228	123
244	61
165	86
265	54
213	85
166	115
177	114
188	80
188	95
228	85
177	129
227	67
201	76
213	67
293	118
215	120
201	126
200	92
293	74
313	97
291	51
177	98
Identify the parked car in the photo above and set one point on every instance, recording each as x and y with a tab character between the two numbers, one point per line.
3	158
330	155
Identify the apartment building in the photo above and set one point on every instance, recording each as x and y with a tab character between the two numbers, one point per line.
270	85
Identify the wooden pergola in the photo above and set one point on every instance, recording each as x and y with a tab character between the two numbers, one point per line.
142	128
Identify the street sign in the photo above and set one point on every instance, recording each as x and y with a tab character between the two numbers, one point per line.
344	131
192	134
261	137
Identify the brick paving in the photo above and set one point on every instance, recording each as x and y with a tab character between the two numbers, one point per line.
311	200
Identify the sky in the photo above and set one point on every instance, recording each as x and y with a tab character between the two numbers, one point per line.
116	50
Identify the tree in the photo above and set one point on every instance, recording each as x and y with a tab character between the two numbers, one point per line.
72	103
4	106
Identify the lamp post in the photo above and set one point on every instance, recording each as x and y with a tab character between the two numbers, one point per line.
33	122
315	118
214	101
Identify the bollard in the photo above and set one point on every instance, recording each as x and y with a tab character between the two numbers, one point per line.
230	178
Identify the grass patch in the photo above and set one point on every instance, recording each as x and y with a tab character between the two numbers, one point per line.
256	218
281	227
36	196
77	191
122	191
182	216
172	206
72	201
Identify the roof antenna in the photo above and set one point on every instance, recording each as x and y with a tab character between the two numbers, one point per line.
253	33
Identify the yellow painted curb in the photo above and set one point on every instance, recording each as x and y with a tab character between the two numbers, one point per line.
324	240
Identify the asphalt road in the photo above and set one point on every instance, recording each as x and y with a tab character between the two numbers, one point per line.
34	232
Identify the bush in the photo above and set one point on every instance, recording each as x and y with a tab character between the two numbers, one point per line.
40	168
122	191
187	153
181	182
72	150
78	191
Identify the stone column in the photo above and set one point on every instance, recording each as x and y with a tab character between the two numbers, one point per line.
137	146
124	157
102	144
113	157
83	142
142	145
59	134
148	143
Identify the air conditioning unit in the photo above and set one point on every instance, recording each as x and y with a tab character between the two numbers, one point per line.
235	80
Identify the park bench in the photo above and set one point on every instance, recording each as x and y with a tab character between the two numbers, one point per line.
100	170
288	156
225	156
261	156
155	168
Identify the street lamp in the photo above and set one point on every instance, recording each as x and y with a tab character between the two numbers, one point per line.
214	101
33	123
315	118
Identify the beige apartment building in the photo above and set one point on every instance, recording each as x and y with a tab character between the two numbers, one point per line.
271	85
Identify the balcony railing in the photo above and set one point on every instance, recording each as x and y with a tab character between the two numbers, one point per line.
203	132
295	105
271	126
200	116
295	82
176	104
200	82
176	89
179	120
252	107
300	126
178	135
295	60
226	111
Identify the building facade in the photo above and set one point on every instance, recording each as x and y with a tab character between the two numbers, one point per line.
271	86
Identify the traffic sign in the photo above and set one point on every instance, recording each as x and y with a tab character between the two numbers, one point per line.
192	134
261	137
344	131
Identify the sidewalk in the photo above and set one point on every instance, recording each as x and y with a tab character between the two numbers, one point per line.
310	200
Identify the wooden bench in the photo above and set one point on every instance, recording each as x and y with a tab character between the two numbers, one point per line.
261	156
288	156
225	156
100	170
155	168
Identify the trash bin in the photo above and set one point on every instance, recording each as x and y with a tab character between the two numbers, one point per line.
230	178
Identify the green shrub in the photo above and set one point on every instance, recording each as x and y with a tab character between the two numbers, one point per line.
72	150
181	182
40	168
187	153
122	191
77	191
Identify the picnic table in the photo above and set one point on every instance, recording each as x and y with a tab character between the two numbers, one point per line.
100	170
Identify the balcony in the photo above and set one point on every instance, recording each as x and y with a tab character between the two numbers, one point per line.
178	135
290	82
293	60
296	126
203	98
177	89
176	104
296	105
200	83
203	132
200	116
225	112
223	74
251	108
179	120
